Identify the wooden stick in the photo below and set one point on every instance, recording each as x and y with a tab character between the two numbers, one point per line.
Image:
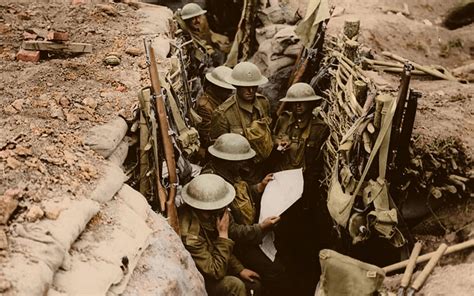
411	265
426	257
420	280
417	66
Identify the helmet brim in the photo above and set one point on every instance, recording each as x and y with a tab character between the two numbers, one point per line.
218	82
187	17
236	82
307	99
228	156
202	205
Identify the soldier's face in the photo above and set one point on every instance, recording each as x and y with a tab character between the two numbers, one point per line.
247	93
196	21
300	108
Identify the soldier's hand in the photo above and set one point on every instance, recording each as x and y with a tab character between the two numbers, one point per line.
269	223
262	185
283	145
222	224
249	275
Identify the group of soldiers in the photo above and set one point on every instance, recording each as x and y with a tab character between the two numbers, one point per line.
241	148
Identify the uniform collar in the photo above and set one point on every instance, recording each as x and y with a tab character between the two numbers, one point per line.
213	97
247	106
302	121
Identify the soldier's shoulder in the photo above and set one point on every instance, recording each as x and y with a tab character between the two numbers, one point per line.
261	97
226	105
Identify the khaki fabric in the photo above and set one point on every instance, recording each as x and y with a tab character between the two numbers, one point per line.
249	120
316	12
343	275
206	103
306	137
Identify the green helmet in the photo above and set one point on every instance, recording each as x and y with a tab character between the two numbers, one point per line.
300	92
208	192
232	147
218	76
191	10
246	74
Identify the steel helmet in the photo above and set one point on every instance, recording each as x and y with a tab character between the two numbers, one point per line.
246	74
232	147
191	10
300	92
208	192
218	76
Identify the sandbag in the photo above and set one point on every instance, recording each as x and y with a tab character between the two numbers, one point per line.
134	200
103	139
343	275
120	153
109	184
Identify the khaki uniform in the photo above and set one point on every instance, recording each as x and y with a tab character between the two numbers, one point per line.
306	137
205	106
243	207
212	254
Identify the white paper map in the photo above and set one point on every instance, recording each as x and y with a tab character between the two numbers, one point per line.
283	191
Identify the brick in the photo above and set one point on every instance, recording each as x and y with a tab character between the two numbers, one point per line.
58	36
28	55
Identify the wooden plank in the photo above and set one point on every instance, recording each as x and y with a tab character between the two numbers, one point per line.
52	46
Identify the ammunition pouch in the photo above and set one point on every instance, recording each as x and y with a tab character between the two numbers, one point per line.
260	138
189	141
343	275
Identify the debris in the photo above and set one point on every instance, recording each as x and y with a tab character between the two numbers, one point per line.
338	11
72	118
29	36
405	11
3	242
8	204
52	46
133	51
23	151
90	102
18	104
112	59
34	213
10	110
427	22
58	36
57	112
28	55
52	212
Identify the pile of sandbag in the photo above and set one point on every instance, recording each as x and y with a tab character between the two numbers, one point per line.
96	242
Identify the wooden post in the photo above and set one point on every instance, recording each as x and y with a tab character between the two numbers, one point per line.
351	28
360	91
350	49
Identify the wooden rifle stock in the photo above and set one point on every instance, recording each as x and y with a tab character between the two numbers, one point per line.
171	211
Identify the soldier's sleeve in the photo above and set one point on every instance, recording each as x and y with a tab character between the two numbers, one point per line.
205	125
211	264
251	234
235	266
219	125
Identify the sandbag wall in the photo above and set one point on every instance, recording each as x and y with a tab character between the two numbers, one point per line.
97	242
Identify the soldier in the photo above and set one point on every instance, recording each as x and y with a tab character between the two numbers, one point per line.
208	233
299	136
229	154
246	113
216	91
191	18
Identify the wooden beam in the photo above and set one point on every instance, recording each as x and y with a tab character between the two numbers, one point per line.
52	46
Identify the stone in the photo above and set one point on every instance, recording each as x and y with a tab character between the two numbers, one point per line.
57	112
29	36
28	55
133	51
10	110
34	213
18	104
90	102
8	205
13	163
112	60
63	101
108	9
52	212
72	118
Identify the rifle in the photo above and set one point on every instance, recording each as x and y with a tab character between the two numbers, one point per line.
157	99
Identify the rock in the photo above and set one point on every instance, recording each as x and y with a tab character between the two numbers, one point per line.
23	151
72	118
52	212
3	240
112	60
34	213
133	51
4	285
10	110
18	104
13	163
63	101
427	22
108	9
57	112
8	205
90	102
